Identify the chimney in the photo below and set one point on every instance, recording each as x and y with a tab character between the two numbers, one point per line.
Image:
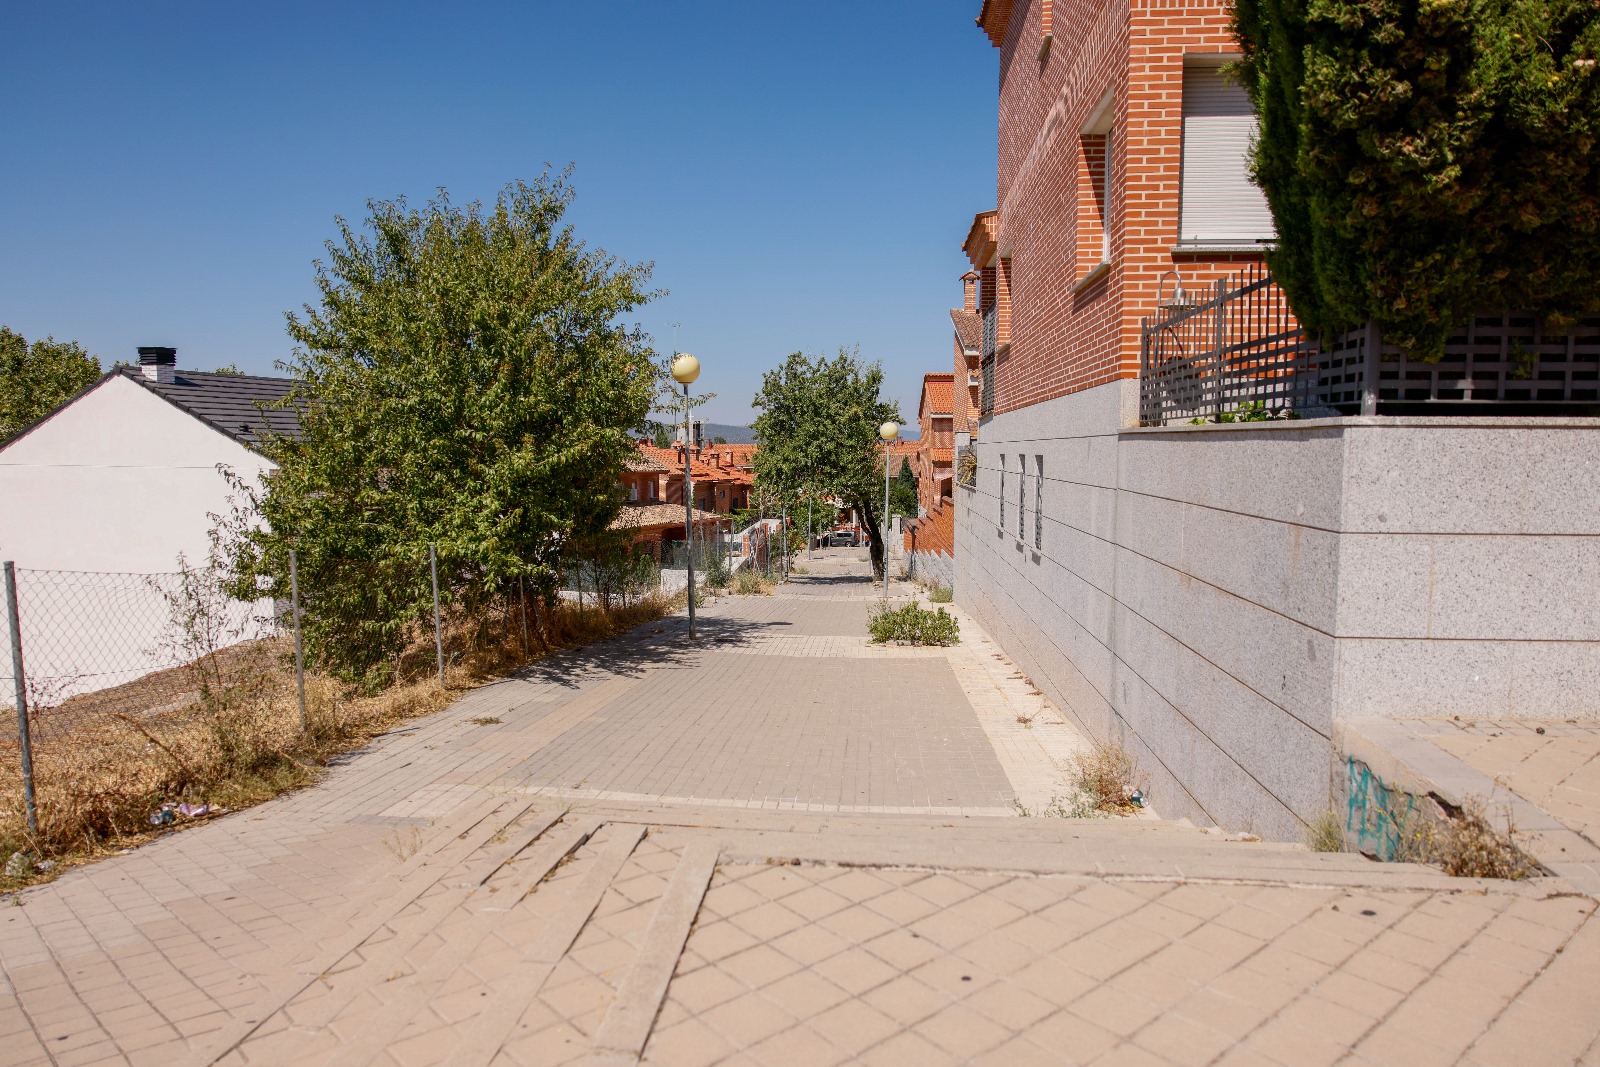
158	364
970	281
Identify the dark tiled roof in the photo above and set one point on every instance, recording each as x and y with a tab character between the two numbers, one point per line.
228	401
969	329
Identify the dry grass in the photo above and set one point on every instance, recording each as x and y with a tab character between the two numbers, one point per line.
1466	844
1106	775
752	583
104	762
1325	833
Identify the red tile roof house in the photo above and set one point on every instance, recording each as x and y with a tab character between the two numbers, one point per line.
648	508
929	540
1235	604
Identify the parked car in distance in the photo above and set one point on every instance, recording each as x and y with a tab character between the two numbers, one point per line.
842	539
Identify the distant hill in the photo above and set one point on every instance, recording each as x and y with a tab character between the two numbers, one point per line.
735	435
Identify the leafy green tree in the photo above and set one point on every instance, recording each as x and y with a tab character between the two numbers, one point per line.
38	378
719	440
903	492
464	382
818	431
1424	161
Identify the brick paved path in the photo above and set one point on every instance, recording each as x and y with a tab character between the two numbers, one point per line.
785	847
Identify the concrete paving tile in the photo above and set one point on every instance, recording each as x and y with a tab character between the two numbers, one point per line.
691	1043
907	1050
748	1019
799	1046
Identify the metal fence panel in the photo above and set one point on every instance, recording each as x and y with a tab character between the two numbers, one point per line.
1237	345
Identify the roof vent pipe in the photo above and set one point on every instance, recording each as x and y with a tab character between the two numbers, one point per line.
158	364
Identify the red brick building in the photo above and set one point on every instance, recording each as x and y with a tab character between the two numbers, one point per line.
968	325
935	455
1121	158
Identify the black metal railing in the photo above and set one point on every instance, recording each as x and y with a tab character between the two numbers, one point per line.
1235	348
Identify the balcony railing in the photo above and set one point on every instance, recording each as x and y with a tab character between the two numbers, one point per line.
1237	346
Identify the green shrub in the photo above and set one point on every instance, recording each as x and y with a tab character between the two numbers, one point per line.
940	594
1427	161
914	625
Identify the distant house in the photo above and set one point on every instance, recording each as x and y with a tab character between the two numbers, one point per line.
125	476
100	498
935	454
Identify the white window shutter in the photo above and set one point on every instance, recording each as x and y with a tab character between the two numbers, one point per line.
1219	204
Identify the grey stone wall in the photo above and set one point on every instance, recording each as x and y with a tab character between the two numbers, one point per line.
1217	596
932	568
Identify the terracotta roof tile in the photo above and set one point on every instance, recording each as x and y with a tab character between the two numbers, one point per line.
938	394
969	329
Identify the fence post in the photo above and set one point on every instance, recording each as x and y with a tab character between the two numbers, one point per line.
1369	368
1220	340
522	597
299	650
19	678
438	633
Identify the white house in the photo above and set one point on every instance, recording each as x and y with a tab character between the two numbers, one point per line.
113	486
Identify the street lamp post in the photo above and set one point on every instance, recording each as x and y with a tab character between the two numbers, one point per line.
685	369
888	431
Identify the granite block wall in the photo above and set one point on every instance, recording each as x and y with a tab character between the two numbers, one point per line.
1217	596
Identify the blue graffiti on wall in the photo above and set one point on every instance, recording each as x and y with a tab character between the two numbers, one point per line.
1377	816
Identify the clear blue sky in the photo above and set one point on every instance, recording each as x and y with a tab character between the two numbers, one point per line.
801	173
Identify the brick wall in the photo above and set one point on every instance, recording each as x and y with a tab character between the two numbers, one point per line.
1057	187
935	531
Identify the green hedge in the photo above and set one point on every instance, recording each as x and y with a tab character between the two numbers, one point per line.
1424	161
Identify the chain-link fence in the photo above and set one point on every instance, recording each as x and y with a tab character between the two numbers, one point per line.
98	663
123	693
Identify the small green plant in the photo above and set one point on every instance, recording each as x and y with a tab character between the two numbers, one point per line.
1253	411
913	624
485	720
940	594
1325	833
1078	807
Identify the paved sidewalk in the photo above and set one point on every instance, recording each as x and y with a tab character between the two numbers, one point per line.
782	846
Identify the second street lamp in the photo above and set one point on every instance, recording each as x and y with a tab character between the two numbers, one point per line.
888	431
685	369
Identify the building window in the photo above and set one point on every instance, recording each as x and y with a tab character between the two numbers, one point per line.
1038	502
1219	206
633	491
1094	235
1022	495
1002	492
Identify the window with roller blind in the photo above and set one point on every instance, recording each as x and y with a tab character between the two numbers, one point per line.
1219	206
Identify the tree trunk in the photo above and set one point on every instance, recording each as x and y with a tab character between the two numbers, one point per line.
876	547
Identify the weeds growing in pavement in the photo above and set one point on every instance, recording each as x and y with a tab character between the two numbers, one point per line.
1077	807
1106	775
914	625
1465	843
752	583
1325	833
940	594
404	845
